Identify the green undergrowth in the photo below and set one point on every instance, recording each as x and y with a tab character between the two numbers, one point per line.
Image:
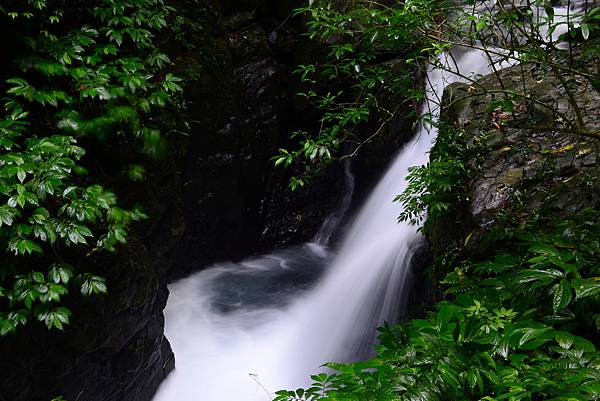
519	316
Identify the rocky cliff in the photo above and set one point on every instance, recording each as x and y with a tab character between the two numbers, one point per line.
528	167
114	348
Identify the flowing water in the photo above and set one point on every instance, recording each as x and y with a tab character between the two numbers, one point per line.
241	331
333	221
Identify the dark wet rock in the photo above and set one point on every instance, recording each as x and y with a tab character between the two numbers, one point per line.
236	202
114	349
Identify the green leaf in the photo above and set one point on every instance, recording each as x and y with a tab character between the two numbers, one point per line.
585	31
21	174
444	315
60	273
69	190
545	276
544	249
54	318
583	344
93	285
21	200
563	293
38	277
6	326
75	237
24	246
564	339
6	216
526	334
586	287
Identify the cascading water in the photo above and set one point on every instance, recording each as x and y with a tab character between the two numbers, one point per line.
240	331
332	222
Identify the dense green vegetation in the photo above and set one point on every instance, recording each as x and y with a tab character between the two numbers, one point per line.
519	318
518	324
375	52
433	189
79	76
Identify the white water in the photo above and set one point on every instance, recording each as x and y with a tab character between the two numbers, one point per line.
549	29
234	326
333	221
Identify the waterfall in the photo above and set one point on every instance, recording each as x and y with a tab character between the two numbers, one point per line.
242	331
332	222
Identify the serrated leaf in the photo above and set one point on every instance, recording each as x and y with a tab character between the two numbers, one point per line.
565	340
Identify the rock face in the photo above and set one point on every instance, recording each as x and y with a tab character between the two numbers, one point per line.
244	109
235	201
114	348
530	164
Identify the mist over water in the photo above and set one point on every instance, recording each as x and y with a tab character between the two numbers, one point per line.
242	331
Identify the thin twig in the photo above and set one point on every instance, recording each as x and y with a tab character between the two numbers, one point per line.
572	99
509	56
254	377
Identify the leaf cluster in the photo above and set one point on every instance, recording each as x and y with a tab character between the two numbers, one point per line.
365	78
82	73
434	189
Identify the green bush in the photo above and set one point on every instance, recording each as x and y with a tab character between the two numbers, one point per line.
81	72
435	188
